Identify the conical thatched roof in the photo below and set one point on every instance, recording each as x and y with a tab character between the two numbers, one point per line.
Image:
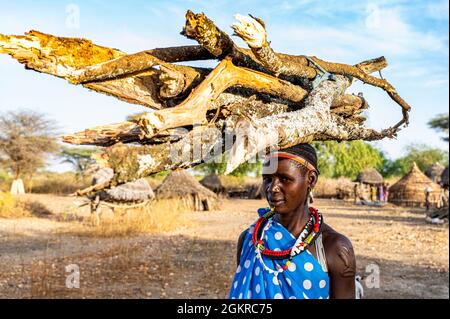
179	184
135	191
434	172
370	176
444	177
213	183
410	190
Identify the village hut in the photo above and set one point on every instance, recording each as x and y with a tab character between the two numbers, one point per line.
434	172
180	185
345	189
213	183
367	180
370	176
410	190
444	178
132	192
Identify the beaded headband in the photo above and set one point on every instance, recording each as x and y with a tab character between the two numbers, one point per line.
293	157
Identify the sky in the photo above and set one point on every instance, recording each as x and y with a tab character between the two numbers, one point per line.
412	35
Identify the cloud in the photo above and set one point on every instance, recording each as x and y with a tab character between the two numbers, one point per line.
438	10
436	83
375	29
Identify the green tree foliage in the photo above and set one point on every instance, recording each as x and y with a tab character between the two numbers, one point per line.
218	167
346	159
78	157
422	154
440	123
4	176
26	140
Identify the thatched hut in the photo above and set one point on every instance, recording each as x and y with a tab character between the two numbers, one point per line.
410	190
131	192
213	183
367	181
434	172
179	184
370	176
444	178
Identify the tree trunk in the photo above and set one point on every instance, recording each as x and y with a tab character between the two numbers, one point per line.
17	187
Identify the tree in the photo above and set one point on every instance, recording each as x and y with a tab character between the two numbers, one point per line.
423	155
265	98
346	159
78	157
440	124
219	168
26	139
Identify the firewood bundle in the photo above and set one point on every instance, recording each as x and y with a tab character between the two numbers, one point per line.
253	101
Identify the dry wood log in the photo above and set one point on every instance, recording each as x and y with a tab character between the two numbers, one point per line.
253	100
253	32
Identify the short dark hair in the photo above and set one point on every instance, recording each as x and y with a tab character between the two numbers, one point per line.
305	151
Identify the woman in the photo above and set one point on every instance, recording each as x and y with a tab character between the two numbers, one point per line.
289	252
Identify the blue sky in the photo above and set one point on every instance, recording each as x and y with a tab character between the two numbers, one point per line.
412	35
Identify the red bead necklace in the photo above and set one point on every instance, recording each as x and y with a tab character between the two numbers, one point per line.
306	237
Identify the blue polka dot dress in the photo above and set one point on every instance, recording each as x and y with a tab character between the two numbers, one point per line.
305	278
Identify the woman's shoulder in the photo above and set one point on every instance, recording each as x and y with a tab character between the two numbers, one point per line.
339	251
332	237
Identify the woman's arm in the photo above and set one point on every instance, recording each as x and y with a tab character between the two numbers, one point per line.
342	266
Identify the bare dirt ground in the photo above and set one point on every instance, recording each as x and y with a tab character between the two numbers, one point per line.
199	261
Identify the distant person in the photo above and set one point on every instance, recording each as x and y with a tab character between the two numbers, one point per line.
380	192
356	192
386	192
373	190
289	252
427	192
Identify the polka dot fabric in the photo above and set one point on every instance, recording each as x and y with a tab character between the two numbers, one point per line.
304	278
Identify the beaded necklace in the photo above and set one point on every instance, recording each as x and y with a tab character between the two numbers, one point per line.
315	220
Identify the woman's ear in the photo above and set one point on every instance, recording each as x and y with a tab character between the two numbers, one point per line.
312	178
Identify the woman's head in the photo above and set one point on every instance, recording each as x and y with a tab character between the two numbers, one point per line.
288	177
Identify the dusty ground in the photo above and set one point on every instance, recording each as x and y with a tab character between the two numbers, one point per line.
199	262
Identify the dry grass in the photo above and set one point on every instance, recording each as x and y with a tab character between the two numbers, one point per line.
331	188
20	207
173	265
233	182
10	207
159	217
56	183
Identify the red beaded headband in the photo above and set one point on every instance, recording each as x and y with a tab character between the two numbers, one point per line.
296	158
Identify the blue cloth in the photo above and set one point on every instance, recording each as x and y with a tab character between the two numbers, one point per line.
304	279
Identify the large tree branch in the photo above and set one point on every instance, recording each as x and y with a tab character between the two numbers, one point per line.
314	121
243	100
111	71
193	109
204	143
253	32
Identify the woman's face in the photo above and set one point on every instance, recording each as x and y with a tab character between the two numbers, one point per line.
287	188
